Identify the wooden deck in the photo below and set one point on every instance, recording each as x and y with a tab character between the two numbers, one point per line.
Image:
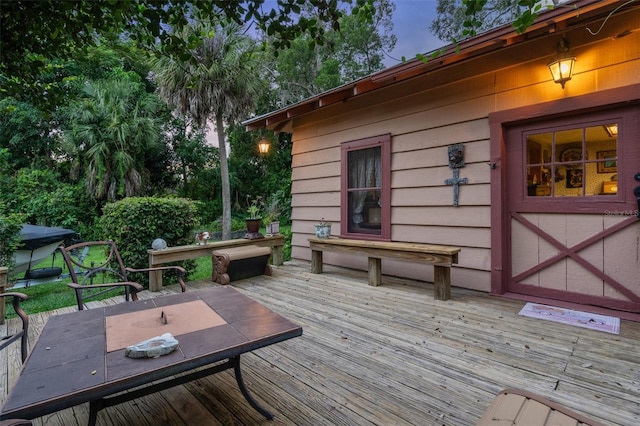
389	355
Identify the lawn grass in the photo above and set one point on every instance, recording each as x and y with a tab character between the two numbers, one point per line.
54	295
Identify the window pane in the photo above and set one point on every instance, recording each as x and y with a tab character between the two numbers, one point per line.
364	168
602	140
572	162
538	154
364	211
364	190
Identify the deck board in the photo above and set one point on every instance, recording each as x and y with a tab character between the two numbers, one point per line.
385	355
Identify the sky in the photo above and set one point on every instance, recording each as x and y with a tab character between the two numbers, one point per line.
411	22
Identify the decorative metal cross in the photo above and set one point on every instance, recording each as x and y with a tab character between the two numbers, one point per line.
456	182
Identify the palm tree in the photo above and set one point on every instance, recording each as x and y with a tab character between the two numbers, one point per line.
113	127
217	83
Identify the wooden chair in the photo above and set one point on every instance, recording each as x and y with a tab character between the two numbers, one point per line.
22	334
518	407
105	271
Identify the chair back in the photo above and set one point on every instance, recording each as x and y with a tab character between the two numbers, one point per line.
89	259
92	265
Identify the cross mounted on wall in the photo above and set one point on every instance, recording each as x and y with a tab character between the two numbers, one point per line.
456	161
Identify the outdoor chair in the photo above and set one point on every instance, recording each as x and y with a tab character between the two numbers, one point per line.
22	334
518	407
102	270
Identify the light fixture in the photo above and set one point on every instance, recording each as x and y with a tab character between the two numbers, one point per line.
562	67
263	146
612	130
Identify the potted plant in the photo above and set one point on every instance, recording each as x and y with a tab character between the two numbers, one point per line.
323	229
271	221
254	220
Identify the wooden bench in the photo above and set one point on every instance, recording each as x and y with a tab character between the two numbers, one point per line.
175	254
521	408
442	257
237	263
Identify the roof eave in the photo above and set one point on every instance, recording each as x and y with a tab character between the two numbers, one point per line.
552	21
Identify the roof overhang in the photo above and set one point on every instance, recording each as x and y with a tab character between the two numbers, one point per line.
553	21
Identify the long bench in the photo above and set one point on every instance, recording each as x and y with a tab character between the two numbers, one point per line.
442	257
175	254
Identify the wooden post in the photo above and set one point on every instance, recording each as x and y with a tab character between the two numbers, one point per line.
375	271
441	282
4	273
278	255
316	261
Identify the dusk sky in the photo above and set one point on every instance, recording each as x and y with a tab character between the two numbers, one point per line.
412	19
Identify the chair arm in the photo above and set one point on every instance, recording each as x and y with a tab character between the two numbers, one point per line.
135	286
17	298
180	272
15	422
21	296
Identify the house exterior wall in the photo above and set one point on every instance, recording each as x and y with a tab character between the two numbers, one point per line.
425	115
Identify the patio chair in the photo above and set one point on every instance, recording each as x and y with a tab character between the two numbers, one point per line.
103	271
519	407
22	334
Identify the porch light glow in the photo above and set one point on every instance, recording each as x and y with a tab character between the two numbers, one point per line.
562	67
263	146
612	130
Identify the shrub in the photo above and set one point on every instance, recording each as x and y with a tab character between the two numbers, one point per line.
10	226
133	223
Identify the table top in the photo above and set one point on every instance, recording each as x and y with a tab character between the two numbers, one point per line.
80	356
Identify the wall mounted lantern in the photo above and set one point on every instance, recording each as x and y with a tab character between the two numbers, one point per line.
263	146
562	67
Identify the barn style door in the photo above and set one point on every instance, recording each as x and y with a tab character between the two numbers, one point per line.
572	224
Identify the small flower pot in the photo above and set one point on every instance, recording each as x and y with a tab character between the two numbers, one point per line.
273	228
323	231
253	229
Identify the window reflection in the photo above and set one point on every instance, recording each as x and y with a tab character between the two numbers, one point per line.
572	162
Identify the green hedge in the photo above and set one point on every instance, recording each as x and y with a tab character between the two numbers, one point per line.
133	223
10	226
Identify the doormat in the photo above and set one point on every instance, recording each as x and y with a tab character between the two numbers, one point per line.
571	317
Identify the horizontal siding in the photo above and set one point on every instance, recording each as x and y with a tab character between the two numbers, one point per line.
416	177
426	114
441	235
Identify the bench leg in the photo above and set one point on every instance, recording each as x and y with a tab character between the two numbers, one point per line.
375	271
441	282
155	280
316	262
278	255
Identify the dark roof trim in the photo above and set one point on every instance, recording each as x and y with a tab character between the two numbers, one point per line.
549	22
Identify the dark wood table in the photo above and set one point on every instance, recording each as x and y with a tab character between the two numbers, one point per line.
80	357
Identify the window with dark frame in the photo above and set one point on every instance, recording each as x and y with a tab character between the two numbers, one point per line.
366	188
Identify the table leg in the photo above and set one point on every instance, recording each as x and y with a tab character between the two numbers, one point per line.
94	407
245	392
